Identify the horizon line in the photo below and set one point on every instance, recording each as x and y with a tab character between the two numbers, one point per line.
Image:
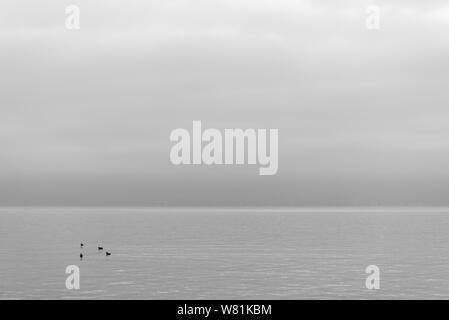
370	208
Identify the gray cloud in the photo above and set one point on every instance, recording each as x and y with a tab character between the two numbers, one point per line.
85	116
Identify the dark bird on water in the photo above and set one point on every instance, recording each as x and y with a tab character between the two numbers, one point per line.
81	256
100	248
108	253
82	245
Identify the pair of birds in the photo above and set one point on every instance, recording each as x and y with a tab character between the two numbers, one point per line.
99	249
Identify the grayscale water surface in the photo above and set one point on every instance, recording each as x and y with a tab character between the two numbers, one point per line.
223	254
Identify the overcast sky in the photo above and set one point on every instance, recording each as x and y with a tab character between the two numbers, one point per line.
85	116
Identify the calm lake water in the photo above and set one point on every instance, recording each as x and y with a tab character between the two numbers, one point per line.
223	254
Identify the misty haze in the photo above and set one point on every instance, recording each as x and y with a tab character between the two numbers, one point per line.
362	174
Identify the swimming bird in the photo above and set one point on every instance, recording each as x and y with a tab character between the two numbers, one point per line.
108	253
100	248
81	256
82	245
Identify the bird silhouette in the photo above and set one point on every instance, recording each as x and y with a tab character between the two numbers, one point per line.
81	256
100	248
108	253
